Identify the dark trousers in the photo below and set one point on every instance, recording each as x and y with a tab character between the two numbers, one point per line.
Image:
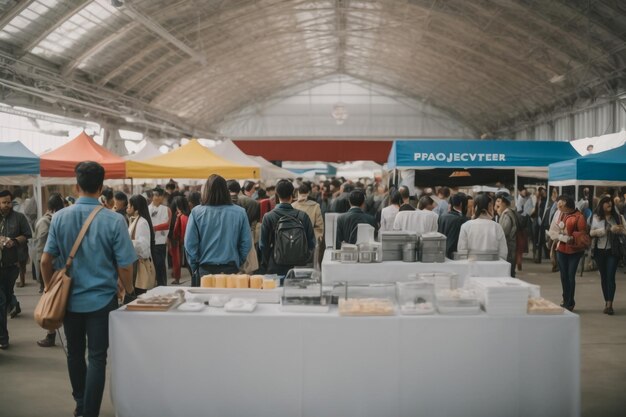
159	259
88	331
607	265
8	276
230	268
568	264
539	242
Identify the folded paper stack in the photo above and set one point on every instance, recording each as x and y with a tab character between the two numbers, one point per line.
502	296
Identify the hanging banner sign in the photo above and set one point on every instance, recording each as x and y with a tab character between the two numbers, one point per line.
406	154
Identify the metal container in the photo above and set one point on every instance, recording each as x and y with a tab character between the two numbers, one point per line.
433	247
409	252
392	244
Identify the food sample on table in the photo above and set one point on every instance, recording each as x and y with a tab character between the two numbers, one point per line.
231	281
256	281
242	281
241	305
543	306
156	302
420	307
207	281
220	281
366	307
269	283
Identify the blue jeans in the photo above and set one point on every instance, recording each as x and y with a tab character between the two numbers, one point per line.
8	276
607	265
568	264
88	331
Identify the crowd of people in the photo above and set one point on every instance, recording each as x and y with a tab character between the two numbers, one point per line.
228	227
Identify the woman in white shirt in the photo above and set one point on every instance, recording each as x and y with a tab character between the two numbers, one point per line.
388	214
141	233
606	225
482	234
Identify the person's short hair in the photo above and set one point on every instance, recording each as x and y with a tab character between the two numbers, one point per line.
541	189
158	191
248	186
55	202
120	196
404	192
395	198
89	176
568	201
261	194
356	198
194	198
233	186
284	189
424	202
457	200
444	191
215	192
335	183
5	193
348	188
171	185
505	198
304	189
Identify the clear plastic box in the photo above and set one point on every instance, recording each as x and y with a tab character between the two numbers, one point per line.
458	301
441	280
416	297
368	300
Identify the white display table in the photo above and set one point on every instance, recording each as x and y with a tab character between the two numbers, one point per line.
276	364
392	271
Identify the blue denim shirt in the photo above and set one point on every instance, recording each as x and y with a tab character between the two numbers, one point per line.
217	235
106	246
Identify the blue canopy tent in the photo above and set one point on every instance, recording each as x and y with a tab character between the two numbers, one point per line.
523	158
604	168
16	159
19	166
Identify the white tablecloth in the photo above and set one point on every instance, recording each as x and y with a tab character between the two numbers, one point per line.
398	271
282	364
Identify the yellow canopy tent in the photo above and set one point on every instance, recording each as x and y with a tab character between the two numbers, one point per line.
189	161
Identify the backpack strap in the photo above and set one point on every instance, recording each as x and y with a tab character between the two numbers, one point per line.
80	236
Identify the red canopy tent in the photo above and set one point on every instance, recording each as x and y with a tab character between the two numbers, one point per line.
62	161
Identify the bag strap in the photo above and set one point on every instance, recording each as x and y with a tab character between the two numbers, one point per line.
134	227
80	236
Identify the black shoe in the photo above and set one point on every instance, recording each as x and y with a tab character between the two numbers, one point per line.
4	346
609	311
77	412
15	311
47	341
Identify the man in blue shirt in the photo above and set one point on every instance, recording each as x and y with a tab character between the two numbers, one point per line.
105	255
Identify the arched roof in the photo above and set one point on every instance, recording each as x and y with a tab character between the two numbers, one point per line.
186	64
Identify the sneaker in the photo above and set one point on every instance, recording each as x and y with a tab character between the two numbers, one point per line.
609	311
4	346
15	311
47	341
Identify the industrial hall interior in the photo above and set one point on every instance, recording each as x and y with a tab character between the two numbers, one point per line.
313	208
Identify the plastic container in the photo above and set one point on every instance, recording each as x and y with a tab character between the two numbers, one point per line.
483	256
441	280
459	301
416	297
349	253
392	242
433	248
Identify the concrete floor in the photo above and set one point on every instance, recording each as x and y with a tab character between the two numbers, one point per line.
35	380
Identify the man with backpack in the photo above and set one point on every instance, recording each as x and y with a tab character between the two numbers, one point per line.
347	223
287	236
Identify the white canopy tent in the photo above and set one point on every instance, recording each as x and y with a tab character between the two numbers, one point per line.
271	172
359	169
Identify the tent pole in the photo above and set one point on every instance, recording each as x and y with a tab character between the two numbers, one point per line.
37	194
515	190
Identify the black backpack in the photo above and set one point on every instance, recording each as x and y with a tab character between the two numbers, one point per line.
290	242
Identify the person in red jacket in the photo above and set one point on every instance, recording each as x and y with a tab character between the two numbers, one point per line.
181	208
570	223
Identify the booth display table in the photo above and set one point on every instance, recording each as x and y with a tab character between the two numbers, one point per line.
391	271
270	363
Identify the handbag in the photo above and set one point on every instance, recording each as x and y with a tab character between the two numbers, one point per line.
145	277
52	305
618	243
